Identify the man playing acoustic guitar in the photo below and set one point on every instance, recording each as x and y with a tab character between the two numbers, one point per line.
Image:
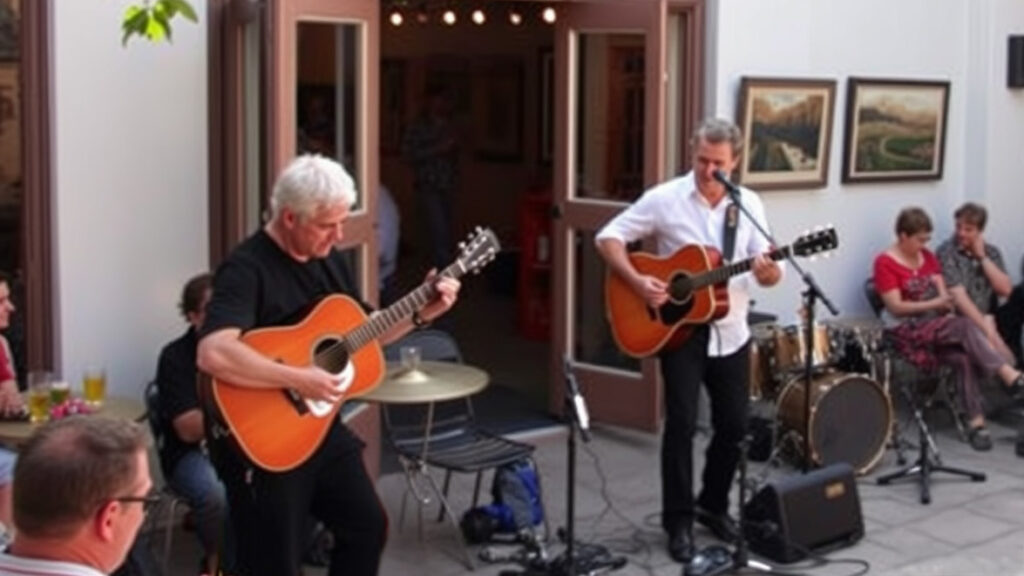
689	210
272	279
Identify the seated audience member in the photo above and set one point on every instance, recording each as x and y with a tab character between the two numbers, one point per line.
1010	320
81	490
11	403
974	273
182	458
908	278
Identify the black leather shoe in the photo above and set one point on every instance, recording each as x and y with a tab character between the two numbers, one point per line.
721	525
680	545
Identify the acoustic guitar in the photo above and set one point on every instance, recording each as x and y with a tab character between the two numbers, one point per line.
277	428
697	289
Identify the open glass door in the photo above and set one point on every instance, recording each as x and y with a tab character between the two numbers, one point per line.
323	80
608	149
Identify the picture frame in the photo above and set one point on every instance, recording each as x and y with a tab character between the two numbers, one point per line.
895	129
787	130
498	110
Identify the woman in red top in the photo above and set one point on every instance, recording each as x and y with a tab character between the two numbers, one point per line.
908	277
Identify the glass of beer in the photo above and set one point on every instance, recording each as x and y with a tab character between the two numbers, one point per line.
94	385
39	396
60	391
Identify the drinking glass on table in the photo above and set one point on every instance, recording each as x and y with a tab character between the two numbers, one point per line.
94	385
39	396
60	392
410	358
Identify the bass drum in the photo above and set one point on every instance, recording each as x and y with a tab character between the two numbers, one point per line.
851	416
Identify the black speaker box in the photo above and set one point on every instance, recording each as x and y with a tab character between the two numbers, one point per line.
818	511
1015	69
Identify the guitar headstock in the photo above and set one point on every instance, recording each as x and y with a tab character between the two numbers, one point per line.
816	242
478	249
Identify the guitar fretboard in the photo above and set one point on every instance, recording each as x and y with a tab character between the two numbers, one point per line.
723	273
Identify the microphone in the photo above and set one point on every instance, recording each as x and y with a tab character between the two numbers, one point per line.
732	189
580	407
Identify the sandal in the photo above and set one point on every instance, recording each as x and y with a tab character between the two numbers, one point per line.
980	439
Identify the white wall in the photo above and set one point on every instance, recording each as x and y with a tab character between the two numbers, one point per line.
130	185
917	39
995	116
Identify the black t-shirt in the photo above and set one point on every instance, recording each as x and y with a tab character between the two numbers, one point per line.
176	383
260	285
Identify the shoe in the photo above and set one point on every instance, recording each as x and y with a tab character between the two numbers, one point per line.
680	544
721	525
980	439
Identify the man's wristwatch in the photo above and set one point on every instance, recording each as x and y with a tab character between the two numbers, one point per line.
418	321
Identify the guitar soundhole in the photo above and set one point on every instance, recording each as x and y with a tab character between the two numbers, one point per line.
331	355
680	289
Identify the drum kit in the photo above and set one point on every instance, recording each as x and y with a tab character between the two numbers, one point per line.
850	412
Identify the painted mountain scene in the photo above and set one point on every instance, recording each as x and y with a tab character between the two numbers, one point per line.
786	131
898	129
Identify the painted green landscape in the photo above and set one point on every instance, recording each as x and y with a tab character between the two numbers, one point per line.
785	132
895	136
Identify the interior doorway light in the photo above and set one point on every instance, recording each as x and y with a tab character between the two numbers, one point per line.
549	15
515	17
396	18
479	17
449	17
421	14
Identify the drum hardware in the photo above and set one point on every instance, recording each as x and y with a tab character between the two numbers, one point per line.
928	460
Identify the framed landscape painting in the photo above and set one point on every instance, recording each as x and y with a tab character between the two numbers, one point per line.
895	130
787	126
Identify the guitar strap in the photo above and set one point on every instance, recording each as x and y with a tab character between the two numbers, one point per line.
732	220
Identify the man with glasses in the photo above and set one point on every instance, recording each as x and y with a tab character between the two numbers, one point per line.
81	491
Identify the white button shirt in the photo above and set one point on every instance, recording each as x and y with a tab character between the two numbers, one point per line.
676	214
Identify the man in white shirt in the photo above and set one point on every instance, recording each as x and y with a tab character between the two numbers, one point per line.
692	210
81	488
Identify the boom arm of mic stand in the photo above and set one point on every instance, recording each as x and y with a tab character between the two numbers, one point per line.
812	285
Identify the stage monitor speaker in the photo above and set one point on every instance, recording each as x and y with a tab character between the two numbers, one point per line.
787	520
1015	68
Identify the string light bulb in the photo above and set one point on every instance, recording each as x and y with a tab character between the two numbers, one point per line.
515	18
396	18
449	17
479	18
549	15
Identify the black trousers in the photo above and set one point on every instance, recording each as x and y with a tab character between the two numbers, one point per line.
270	511
1010	319
726	379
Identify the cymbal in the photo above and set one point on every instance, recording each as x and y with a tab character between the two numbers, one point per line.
430	382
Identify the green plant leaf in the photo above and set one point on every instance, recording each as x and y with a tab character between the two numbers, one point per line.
158	27
135	22
184	8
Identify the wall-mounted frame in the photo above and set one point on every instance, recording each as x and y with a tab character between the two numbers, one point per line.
498	110
787	129
895	129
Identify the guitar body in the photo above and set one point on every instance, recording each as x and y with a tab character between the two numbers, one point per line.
276	432
642	331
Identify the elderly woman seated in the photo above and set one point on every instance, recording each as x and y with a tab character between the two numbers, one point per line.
908	278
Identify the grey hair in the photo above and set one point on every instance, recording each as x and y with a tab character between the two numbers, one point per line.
310	182
718	130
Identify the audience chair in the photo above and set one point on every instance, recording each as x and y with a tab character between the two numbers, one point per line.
934	388
444	436
921	390
165	514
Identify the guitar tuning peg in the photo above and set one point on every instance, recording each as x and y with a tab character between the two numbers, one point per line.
462	245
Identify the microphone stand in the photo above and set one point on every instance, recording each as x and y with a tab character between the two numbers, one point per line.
597	559
811	294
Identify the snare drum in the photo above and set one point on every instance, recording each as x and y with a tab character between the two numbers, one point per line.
790	352
851	417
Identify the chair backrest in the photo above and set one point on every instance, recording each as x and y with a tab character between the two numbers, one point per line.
153	416
873	297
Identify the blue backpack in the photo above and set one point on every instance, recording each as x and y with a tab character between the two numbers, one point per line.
517	504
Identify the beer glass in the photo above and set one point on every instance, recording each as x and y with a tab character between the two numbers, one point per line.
60	392
94	385
39	396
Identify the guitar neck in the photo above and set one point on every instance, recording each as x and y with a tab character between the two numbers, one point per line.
385	319
723	273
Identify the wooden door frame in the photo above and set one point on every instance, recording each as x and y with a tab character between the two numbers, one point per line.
645	413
